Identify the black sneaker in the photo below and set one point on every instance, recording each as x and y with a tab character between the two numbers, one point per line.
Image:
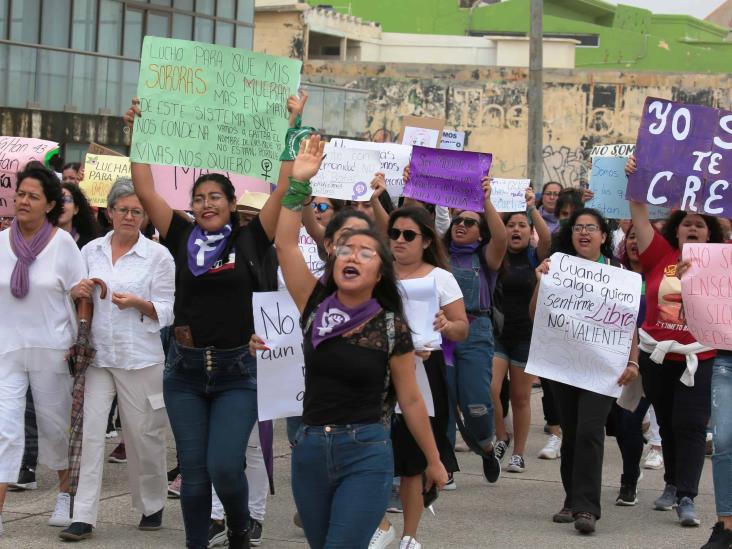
500	448
216	533
151	522
77	531
628	495
721	538
26	480
238	540
174	472
255	533
491	466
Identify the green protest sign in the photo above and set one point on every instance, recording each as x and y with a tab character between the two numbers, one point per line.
212	107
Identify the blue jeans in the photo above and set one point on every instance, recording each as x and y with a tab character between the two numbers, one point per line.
470	381
341	481
722	425
211	397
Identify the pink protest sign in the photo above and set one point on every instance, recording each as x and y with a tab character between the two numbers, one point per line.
706	289
15	153
174	184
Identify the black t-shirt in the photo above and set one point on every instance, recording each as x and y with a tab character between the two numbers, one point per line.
218	304
518	282
347	378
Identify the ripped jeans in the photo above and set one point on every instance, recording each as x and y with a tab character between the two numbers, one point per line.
722	425
470	380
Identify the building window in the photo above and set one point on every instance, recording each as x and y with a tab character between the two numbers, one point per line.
133	33
182	27
24	21
585	40
203	30
224	33
110	27
158	24
84	25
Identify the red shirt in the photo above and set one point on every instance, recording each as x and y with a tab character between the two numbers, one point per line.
664	311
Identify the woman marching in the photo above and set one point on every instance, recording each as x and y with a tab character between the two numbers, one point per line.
342	463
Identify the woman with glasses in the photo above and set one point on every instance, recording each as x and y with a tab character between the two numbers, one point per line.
548	204
342	464
125	331
476	243
583	413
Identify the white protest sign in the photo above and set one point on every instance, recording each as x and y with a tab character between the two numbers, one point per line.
452	140
280	370
618	149
509	195
423	383
346	174
394	158
309	250
583	328
424	137
420	302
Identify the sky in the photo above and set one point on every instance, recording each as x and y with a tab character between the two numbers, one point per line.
696	8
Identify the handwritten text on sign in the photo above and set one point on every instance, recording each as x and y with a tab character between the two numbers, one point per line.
584	324
684	155
509	195
15	153
212	107
280	370
448	178
100	173
346	173
706	290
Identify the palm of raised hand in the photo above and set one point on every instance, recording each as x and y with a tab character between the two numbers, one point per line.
308	160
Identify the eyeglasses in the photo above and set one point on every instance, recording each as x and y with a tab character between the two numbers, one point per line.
213	198
136	213
467	221
551	193
408	234
590	228
321	207
67	199
364	255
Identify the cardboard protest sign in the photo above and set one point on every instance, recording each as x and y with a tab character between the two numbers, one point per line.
96	148
684	155
421	131
175	183
453	140
421	303
212	107
394	158
448	178
280	370
584	324
309	249
618	149
706	290
346	173
509	195
100	173
15	153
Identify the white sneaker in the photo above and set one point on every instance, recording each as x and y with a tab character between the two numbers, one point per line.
450	484
61	514
408	542
516	465
654	459
382	538
553	448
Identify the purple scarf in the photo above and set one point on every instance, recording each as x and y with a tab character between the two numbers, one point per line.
464	249
27	252
205	247
333	318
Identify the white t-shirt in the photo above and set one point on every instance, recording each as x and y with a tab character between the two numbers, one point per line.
45	318
447	286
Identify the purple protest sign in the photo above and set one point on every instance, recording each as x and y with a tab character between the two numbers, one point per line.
448	178
684	154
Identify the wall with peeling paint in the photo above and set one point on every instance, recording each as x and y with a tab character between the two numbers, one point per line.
581	108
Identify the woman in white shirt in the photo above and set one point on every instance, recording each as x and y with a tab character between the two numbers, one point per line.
129	363
39	264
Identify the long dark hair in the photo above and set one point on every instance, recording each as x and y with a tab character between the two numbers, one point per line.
339	219
49	183
435	253
485	233
674	220
563	242
83	221
386	291
227	187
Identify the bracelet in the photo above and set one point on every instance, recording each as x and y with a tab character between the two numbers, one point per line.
296	195
634	363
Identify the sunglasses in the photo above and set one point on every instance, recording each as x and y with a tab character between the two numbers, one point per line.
321	207
467	221
409	234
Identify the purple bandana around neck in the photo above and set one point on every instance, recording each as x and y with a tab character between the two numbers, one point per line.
333	318
27	252
205	247
464	249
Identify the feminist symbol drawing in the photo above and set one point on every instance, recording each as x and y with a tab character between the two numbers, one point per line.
266	167
359	190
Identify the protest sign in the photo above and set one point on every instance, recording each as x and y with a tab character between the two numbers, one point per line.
509	195
448	178
422	131
584	324
618	149
453	140
281	369
346	173
706	290
15	153
96	148
423	383
174	184
684	155
394	158
212	107
420	301
100	173
309	250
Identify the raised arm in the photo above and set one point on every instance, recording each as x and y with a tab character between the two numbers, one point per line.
542	230
639	213
496	248
381	218
540	271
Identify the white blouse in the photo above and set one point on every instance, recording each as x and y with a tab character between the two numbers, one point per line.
127	339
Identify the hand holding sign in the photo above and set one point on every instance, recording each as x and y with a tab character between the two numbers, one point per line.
510	195
345	173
